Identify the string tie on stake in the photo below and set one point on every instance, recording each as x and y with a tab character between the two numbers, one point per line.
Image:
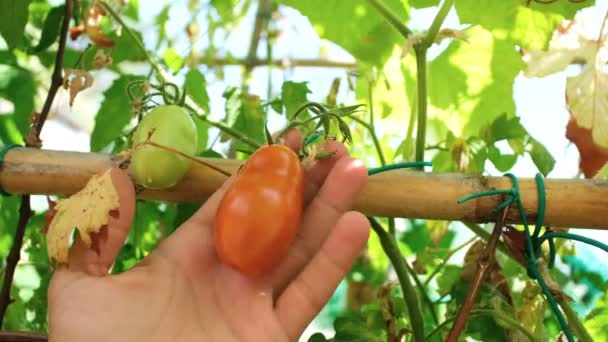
3	152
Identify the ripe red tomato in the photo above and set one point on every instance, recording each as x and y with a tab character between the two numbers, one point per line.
259	215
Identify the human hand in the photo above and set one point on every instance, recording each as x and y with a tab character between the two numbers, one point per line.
183	292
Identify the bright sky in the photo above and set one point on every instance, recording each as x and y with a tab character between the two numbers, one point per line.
540	102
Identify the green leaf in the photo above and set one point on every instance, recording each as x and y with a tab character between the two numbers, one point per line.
125	50
211	154
443	162
15	313
355	25
481	75
245	114
374	272
503	162
146	225
276	104
597	318
38	12
9	214
478	154
533	29
485	328
566	8
294	95
9	134
132	10
14	18
423	3
17	85
113	115
518	145
8	58
447	278
528	24
196	87
173	59
504	127
225	8
184	212
50	31
354	328
541	157
161	22
417	238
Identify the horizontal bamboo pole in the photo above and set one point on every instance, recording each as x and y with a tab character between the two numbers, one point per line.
399	193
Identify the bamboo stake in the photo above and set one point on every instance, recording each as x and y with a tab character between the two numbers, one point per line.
400	193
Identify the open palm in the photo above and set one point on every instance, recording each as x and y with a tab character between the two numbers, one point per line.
183	292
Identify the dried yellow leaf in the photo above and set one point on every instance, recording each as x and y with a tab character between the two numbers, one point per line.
87	210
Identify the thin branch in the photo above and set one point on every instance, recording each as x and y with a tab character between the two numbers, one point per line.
371	125
409	293
284	63
485	261
258	25
391	17
422	101
56	78
429	38
374	138
25	211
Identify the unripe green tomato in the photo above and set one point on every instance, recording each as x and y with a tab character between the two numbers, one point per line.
153	167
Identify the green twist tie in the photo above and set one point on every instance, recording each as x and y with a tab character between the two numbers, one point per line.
395	166
3	152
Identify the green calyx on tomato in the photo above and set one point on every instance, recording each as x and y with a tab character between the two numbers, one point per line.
172	127
259	215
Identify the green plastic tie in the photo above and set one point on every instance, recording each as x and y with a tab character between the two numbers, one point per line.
540	186
395	166
3	152
570	236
